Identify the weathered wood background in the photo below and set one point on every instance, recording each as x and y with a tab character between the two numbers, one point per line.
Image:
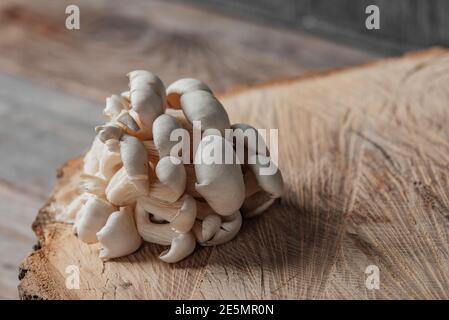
53	83
404	24
364	154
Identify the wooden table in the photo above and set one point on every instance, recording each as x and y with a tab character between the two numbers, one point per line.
53	83
364	154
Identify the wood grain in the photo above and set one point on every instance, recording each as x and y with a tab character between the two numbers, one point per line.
404	23
173	40
39	129
364	155
47	72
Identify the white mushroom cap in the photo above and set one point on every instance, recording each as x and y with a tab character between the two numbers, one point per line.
227	231
171	182
141	79
147	98
110	163
182	86
91	160
182	246
69	213
92	218
204	230
115	104
119	236
109	131
93	185
221	185
135	161
163	126
204	107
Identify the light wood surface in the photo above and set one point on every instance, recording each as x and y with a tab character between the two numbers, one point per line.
364	156
53	83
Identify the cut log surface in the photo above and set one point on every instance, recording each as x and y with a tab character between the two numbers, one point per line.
365	155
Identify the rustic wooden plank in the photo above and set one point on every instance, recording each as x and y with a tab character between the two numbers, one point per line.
39	129
364	156
404	23
18	210
171	39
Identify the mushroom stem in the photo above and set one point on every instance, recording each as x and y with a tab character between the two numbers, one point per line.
119	236
92	217
122	191
159	233
183	209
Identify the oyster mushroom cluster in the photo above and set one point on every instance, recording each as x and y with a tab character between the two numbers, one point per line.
137	188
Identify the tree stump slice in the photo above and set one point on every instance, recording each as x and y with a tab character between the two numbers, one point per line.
365	155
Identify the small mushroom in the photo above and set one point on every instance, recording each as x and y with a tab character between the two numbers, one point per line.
202	106
119	236
115	104
181	214
228	230
91	160
181	247
92	217
109	131
69	213
93	185
171	181
141	79
182	244
135	161
206	228
130	125
122	191
159	233
163	127
221	184
183	86
110	162
131	181
147	98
